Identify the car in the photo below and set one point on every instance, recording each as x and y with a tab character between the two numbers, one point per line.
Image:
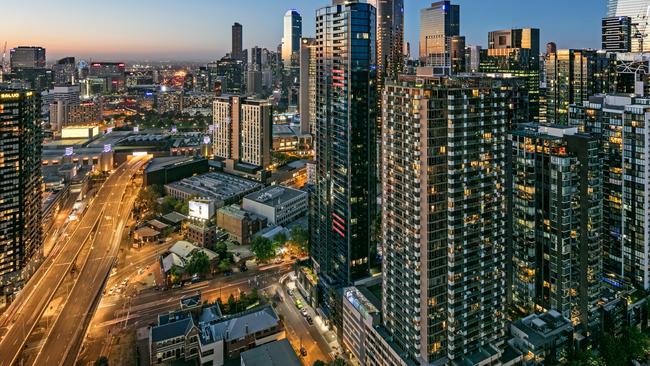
290	292
303	311
310	320
243	267
299	304
303	351
227	273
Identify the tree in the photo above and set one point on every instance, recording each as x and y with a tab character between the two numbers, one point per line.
586	358
300	237
632	345
102	361
232	304
199	263
174	274
263	248
224	265
280	239
147	199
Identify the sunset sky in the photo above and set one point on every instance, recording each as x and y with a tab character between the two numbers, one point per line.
200	29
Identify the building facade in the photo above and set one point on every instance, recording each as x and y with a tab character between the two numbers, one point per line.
344	200
622	124
637	10
291	38
242	131
390	37
278	204
555	212
21	233
617	34
307	103
516	52
438	25
569	80
27	57
237	49
443	228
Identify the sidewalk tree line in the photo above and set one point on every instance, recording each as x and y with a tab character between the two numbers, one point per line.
236	305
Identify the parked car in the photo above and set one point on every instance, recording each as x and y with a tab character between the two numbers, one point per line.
310	320
303	351
299	304
290	292
303	311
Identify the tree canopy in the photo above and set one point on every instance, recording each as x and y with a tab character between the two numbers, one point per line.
263	248
199	263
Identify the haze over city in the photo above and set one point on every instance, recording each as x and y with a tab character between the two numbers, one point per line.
198	30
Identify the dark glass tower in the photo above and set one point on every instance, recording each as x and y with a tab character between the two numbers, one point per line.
237	51
555	213
570	79
390	37
20	185
344	201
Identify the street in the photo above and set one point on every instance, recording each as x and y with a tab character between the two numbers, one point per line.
24	313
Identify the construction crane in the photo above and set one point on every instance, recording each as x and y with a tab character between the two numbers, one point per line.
640	28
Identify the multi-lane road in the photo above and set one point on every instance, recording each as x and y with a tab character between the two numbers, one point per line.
104	217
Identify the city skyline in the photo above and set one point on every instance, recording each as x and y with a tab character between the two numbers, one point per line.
141	34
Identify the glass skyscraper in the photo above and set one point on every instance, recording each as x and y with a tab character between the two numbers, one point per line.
344	201
291	38
390	37
570	79
438	24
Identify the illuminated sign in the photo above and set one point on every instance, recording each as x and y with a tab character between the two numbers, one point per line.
206	140
108	148
69	151
211	128
174	129
140	153
9	95
109	130
136	129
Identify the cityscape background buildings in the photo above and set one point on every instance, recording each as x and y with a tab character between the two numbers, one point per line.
377	198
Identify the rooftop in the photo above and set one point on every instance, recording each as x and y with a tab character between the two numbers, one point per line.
170	162
171	330
174	217
217	186
146	231
275	195
278	353
543	328
241	325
